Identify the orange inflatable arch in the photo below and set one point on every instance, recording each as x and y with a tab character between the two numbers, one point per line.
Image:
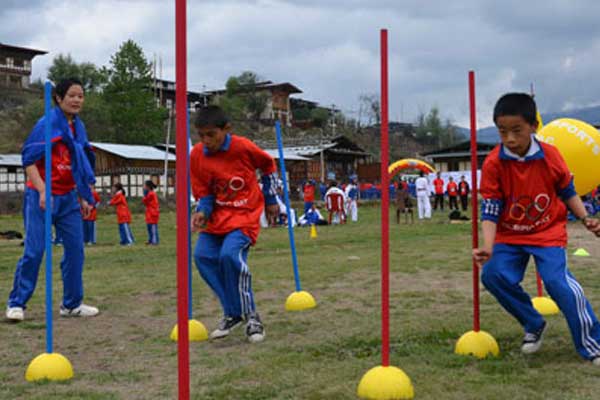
409	163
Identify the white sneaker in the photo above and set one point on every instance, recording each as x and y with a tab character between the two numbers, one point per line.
82	311
533	341
15	314
596	361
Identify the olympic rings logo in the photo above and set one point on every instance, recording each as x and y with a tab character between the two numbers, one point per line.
525	207
229	189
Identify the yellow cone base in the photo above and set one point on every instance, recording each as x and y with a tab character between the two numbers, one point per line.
479	344
49	366
313	232
197	331
385	383
581	252
545	305
299	301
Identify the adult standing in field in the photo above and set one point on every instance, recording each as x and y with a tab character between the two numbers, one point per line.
423	202
438	187
72	175
452	189
463	192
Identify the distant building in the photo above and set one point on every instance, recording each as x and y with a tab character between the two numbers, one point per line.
12	174
278	99
15	65
458	157
164	92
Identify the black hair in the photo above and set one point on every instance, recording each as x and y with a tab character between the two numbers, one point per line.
120	188
421	174
211	117
150	184
517	104
61	89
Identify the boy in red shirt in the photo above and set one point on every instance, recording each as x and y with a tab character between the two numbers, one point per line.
452	189
438	185
123	214
89	222
150	200
526	188
223	176
308	191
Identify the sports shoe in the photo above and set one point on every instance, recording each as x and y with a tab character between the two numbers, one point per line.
82	311
225	327
15	314
533	341
596	361
255	331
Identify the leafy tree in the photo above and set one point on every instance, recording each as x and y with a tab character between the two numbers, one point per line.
319	117
431	130
242	99
131	105
64	66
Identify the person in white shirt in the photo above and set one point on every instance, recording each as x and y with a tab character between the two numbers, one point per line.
351	193
424	205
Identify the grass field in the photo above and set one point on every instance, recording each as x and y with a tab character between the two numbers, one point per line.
125	353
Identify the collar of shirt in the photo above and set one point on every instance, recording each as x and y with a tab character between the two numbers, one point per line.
224	147
535	152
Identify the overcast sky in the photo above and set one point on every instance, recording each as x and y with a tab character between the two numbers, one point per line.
330	48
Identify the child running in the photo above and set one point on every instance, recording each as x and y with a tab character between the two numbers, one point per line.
150	200
223	176
526	189
123	214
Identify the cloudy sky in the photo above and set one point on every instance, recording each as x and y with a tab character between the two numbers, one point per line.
330	48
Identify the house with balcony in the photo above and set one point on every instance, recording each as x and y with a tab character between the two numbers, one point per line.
15	65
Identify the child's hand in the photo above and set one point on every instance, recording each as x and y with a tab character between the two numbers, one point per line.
592	225
198	221
86	209
272	212
482	255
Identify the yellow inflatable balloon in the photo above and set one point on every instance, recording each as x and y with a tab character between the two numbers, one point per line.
579	144
540	126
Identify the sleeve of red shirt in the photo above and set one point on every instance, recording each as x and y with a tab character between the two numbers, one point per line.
491	189
261	159
199	179
117	199
564	179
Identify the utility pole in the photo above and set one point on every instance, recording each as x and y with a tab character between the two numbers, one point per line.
167	142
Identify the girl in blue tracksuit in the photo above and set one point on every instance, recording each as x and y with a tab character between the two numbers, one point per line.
72	174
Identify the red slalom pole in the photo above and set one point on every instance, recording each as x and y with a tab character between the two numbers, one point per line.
540	287
385	204
474	202
183	349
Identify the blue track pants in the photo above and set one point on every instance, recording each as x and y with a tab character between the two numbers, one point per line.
66	217
221	261
152	233
504	272
126	234
89	232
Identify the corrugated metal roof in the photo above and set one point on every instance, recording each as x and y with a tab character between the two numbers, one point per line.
133	151
306	151
10	160
286	155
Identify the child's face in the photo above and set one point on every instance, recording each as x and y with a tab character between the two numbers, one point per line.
515	133
212	137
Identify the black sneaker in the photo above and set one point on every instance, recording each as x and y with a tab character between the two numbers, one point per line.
255	331
533	341
225	327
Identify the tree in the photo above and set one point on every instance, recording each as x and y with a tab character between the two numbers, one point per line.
242	99
430	129
133	112
370	108
64	66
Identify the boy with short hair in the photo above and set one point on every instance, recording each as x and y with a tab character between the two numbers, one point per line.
452	189
223	176
463	192
525	185
438	186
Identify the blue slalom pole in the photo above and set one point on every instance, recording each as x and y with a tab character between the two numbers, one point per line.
188	149
287	205
48	211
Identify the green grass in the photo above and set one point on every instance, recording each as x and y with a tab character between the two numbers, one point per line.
125	353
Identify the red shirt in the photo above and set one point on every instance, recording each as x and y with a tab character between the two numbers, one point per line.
152	207
120	202
309	193
438	184
62	177
532	212
230	176
463	188
452	189
93	214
